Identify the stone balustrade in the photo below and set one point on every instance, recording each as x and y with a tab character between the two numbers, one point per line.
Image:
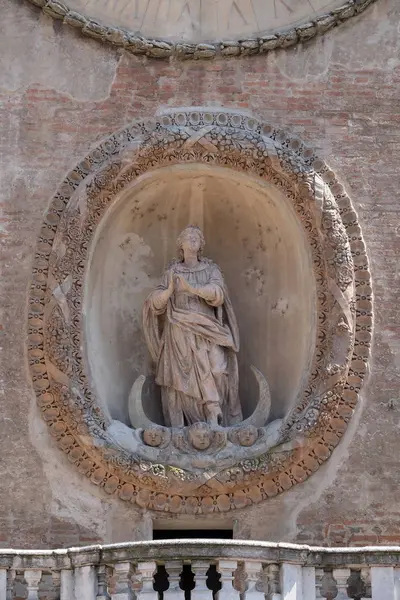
201	570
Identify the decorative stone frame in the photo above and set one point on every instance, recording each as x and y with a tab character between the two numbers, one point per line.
159	48
55	331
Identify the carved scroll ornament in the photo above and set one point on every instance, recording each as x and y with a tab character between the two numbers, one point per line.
316	423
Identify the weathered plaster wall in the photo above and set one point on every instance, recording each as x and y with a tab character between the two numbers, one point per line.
59	95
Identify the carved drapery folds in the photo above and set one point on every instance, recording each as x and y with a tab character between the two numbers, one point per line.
56	341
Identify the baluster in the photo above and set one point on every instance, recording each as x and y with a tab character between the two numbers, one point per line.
319	576
366	579
358	587
240	582
327	586
174	570
145	573
160	581
121	589
187	580
32	578
102	583
10	583
382	583
56	577
201	591
67	589
227	568
341	576
292	582
253	570
85	583
309	587
273	573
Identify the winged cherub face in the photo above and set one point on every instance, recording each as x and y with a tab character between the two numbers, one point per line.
200	436
247	435
153	436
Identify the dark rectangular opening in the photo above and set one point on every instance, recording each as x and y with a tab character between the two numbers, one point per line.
171	534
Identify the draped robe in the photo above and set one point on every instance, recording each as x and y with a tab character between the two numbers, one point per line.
193	343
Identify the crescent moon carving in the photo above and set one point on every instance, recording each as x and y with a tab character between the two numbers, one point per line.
137	416
263	408
258	418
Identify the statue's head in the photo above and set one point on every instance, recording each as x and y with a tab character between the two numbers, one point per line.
192	238
153	436
247	435
200	436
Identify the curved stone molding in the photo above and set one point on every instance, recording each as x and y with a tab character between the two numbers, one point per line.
163	48
56	341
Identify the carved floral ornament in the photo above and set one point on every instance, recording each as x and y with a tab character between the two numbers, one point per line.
67	402
320	20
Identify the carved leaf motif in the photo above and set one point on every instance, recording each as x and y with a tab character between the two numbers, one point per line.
57	342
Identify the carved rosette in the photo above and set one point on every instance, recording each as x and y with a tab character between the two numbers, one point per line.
344	308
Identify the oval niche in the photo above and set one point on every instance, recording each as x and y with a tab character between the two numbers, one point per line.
252	233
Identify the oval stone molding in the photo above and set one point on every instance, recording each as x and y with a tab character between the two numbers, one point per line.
56	344
247	45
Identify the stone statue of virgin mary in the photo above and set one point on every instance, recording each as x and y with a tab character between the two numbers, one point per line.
192	335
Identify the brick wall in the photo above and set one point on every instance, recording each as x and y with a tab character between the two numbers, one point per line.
59	95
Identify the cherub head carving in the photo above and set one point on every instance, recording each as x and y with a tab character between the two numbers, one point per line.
200	436
154	436
247	435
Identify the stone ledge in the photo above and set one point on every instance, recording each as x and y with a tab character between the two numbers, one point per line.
207	549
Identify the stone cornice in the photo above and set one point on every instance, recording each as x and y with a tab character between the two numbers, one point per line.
159	48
